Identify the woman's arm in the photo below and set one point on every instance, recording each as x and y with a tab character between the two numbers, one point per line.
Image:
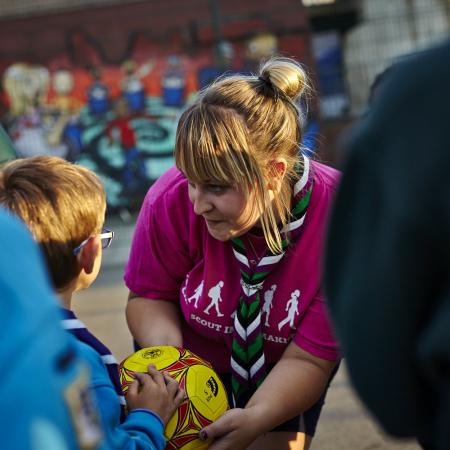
153	322
292	387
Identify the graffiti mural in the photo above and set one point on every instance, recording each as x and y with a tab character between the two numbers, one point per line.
104	85
120	131
116	119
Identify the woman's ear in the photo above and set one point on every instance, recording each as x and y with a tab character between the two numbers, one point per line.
276	169
88	254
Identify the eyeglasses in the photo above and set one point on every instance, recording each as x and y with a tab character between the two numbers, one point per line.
106	236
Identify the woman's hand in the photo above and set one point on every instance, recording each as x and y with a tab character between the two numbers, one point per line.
234	430
156	391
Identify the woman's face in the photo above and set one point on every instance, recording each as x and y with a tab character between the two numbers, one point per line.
227	211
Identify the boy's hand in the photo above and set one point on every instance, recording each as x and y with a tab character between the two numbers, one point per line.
156	391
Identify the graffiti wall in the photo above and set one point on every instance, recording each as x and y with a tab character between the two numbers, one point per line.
118	121
113	106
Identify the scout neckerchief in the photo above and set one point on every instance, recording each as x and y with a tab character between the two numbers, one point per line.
247	352
79	330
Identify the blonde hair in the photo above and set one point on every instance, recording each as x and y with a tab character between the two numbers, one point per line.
61	203
239	124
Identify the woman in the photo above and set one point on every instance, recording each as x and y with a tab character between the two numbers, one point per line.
237	223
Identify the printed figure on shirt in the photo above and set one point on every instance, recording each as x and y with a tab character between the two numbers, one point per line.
268	299
292	308
214	295
183	290
197	294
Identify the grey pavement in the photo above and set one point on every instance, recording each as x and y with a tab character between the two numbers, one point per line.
345	424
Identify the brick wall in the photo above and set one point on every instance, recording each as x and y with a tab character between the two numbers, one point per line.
171	25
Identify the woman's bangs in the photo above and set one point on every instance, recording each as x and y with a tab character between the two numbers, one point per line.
205	153
206	168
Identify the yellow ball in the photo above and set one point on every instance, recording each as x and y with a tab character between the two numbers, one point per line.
206	396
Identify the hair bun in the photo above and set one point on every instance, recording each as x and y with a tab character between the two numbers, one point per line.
285	74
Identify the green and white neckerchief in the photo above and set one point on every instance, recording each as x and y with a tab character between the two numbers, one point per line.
248	366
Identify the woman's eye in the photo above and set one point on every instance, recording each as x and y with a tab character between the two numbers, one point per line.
216	188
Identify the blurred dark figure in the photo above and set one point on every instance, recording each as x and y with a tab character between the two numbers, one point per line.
376	85
388	252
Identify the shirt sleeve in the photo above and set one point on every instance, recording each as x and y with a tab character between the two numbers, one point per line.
141	430
160	255
315	334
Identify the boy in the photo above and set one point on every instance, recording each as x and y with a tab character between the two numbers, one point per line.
64	205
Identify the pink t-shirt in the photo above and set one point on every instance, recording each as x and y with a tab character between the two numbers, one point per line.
174	258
